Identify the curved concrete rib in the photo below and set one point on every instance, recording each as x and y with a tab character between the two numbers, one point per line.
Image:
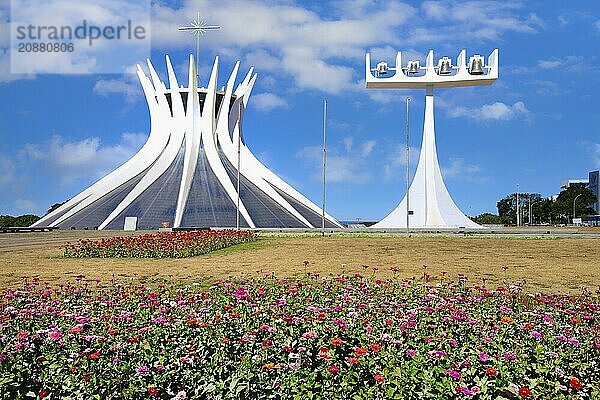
249	158
165	159
210	148
130	169
229	147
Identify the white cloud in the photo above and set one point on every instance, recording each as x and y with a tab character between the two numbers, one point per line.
547	88
5	73
569	63
7	170
83	159
289	40
395	162
486	20
104	55
342	166
268	101
317	50
497	111
596	154
460	170
26	206
127	85
562	20
348	142
367	147
549	64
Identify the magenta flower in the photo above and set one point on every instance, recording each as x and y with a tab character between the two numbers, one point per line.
143	370
483	357
333	369
55	335
452	373
536	334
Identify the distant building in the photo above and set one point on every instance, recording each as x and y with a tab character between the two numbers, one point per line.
574	183
593	186
590	183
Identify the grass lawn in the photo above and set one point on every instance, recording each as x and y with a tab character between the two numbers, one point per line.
562	264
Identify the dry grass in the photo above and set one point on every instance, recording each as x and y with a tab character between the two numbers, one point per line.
546	264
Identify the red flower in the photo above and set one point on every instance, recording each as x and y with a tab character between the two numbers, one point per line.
337	341
524	392
225	340
353	360
376	347
491	372
379	378
152	391
576	383
44	393
360	351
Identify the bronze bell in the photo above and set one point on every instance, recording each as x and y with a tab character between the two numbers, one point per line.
445	66
413	67
476	67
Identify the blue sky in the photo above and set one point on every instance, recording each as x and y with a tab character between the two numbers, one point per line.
536	126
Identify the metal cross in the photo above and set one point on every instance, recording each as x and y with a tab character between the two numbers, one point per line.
198	28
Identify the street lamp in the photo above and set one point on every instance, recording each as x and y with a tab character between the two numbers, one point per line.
575	199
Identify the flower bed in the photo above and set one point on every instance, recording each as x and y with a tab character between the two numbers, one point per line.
339	337
159	245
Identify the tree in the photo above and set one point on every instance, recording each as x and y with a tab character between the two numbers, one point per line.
55	206
26	220
563	206
488	219
7	220
22	220
507	207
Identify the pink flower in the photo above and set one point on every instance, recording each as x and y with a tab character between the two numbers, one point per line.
143	370
55	335
452	373
483	357
537	334
333	369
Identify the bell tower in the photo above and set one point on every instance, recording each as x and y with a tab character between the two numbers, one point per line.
431	204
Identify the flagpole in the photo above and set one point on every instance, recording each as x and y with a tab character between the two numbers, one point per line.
407	174
239	143
324	163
